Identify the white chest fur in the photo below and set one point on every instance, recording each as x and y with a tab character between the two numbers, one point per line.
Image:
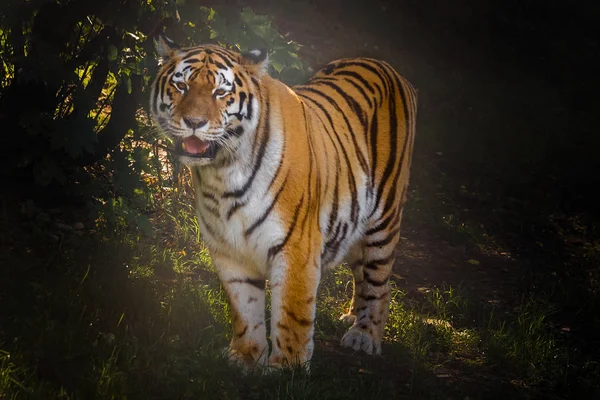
229	209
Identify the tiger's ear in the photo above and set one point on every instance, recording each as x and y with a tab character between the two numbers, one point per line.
256	61
165	46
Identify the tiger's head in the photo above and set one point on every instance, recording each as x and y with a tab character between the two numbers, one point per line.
206	98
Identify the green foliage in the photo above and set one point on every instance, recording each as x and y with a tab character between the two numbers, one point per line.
74	106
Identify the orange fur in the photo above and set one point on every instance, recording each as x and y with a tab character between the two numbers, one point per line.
334	158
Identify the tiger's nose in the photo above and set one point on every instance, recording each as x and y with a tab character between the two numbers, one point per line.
195	123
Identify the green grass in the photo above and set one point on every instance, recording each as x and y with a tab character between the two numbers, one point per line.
116	313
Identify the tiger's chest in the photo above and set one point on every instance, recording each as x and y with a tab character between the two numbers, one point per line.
237	225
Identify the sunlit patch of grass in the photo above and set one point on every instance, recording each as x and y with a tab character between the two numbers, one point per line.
525	344
8	375
447	327
333	300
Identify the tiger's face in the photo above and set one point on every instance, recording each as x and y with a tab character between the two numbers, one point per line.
205	99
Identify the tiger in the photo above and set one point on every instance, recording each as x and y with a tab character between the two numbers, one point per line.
289	181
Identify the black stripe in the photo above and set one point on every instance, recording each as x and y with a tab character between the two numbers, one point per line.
212	210
373	136
305	219
257	283
393	199
298	320
371	66
351	179
236	132
312	160
387	240
334	247
236	206
309	201
393	147
358	77
393	217
259	159
210	196
372	296
249	107
195	52
223	53
362	91
324	152
335	203
171	69
220	66
279	168
274	250
161	88
338	227
407	136
374	264
347	79
375	282
266	213
354	106
238	81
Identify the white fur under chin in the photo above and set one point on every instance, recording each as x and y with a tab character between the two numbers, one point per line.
195	162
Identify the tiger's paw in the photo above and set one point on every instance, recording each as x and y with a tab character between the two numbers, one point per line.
279	363
358	339
246	361
348	318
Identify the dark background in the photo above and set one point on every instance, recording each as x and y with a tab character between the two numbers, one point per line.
505	169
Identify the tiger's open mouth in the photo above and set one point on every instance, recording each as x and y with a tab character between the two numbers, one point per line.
194	147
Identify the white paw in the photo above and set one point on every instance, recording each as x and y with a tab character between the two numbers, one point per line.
244	361
277	365
357	340
348	318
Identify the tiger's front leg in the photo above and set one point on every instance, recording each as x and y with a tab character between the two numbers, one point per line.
246	292
294	281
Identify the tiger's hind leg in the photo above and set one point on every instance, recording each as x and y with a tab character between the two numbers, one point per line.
370	302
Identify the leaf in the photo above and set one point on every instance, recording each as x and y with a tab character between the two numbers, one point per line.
211	14
112	52
277	66
473	261
133	35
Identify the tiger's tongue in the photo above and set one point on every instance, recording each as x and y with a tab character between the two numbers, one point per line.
193	145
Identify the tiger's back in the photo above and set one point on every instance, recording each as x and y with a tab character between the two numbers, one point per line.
291	180
364	116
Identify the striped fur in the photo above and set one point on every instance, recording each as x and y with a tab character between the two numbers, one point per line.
301	179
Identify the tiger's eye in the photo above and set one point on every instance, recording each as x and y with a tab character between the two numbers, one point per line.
220	92
181	86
